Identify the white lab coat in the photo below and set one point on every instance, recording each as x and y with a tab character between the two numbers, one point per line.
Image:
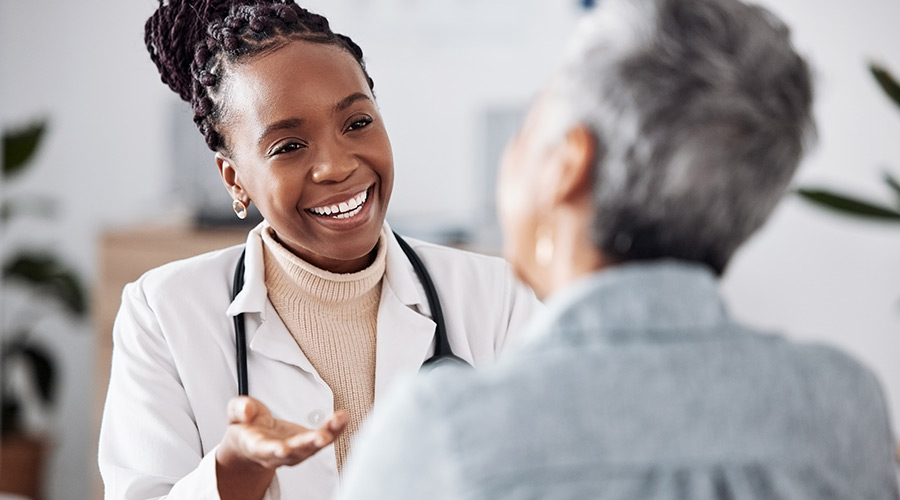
173	367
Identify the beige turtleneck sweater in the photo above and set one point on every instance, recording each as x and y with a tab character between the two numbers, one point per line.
332	317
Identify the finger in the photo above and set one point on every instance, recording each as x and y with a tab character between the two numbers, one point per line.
333	428
261	415
273	453
338	421
315	440
261	448
238	410
247	410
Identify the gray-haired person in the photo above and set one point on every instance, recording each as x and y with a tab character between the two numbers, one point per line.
664	141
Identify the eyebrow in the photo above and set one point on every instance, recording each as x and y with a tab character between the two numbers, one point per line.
280	125
349	100
297	122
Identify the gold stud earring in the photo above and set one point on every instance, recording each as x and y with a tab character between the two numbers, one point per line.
543	248
239	209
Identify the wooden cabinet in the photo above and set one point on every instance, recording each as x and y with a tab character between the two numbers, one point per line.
124	255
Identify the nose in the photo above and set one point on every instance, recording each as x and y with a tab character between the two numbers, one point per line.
332	163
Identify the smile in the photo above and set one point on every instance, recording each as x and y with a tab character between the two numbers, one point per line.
343	210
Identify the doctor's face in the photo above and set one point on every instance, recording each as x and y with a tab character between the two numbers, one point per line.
309	148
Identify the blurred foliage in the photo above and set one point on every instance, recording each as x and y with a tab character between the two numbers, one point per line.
51	281
47	276
19	147
41	368
887	82
850	205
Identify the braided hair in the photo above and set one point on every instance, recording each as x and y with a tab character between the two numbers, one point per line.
193	42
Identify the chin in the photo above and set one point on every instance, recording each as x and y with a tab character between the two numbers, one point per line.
362	244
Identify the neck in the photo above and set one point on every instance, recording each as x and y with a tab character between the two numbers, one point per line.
333	265
574	255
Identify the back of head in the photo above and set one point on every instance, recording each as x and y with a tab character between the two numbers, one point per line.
194	42
700	110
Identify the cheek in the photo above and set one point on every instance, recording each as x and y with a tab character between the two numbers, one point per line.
277	192
507	189
386	170
515	207
381	159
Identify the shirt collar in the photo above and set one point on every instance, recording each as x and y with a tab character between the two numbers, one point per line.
652	296
399	275
253	296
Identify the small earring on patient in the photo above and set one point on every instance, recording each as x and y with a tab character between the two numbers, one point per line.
543	248
239	209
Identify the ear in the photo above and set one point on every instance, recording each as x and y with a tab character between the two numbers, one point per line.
574	166
231	179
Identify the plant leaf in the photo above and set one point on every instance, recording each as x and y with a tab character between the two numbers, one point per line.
44	371
893	183
10	417
887	82
48	275
41	363
20	145
848	205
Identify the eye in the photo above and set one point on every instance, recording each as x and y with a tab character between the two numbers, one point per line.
360	123
286	148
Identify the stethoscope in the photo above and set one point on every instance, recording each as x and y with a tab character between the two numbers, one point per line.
443	354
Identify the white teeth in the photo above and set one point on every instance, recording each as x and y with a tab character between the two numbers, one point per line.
348	214
343	210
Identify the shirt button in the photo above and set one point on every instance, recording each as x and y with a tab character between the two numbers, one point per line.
316	417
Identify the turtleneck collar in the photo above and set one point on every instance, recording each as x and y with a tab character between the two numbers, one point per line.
318	284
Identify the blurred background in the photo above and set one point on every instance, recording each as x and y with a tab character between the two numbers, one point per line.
127	180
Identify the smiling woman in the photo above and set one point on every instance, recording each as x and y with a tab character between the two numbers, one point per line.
304	134
333	310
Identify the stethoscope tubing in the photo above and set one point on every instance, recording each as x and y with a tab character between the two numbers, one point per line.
442	350
240	335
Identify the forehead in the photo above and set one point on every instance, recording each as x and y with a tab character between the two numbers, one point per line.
543	120
295	79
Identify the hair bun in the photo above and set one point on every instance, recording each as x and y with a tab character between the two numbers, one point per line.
172	34
186	39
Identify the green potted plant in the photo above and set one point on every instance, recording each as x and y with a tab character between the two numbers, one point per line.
855	206
850	205
42	286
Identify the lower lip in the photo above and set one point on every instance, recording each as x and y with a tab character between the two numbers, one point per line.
357	220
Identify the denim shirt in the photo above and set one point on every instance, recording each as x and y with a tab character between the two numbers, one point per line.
636	384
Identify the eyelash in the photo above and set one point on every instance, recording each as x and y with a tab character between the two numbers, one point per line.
293	146
360	123
287	148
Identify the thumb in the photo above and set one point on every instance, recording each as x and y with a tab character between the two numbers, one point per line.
246	410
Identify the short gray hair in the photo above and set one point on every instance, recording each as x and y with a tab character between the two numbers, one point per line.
701	113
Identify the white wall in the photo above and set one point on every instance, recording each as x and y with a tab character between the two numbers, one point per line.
809	272
83	64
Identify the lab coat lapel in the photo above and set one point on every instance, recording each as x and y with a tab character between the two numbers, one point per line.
273	340
266	333
404	334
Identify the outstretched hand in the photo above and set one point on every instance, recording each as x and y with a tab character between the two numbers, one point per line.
256	443
254	434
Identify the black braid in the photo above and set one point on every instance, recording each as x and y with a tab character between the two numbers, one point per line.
191	42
